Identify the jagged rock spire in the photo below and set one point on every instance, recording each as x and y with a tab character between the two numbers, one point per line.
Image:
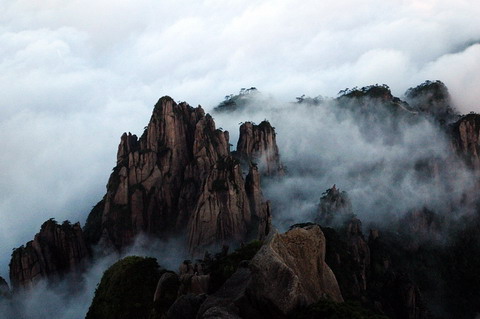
177	179
55	251
179	175
257	143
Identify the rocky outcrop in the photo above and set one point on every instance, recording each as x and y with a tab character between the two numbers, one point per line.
55	251
334	208
179	175
257	144
465	138
144	189
192	279
290	271
287	272
431	98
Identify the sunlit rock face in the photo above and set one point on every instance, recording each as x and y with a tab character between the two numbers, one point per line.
55	251
180	177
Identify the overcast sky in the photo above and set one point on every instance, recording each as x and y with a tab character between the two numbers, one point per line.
74	75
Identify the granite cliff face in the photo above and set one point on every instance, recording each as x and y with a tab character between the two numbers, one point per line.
224	211
290	271
55	251
180	175
257	143
465	139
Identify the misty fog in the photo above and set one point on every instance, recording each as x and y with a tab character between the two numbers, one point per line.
374	157
371	154
73	78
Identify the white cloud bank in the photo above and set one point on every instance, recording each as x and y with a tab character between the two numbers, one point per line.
75	74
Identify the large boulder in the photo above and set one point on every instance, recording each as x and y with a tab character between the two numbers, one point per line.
290	271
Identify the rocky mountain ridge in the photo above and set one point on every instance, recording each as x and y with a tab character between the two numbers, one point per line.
180	177
57	250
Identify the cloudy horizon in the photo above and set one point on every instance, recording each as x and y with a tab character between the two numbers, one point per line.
75	75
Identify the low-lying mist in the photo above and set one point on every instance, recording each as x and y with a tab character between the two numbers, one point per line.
389	161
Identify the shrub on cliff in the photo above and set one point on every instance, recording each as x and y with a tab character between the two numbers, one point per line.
126	290
222	267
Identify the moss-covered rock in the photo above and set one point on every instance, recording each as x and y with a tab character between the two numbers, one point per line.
126	290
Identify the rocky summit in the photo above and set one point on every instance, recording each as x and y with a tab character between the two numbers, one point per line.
180	177
258	143
57	250
181	180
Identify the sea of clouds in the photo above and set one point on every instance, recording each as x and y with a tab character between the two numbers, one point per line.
74	75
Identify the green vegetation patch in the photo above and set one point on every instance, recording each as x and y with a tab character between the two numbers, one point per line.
222	266
126	290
